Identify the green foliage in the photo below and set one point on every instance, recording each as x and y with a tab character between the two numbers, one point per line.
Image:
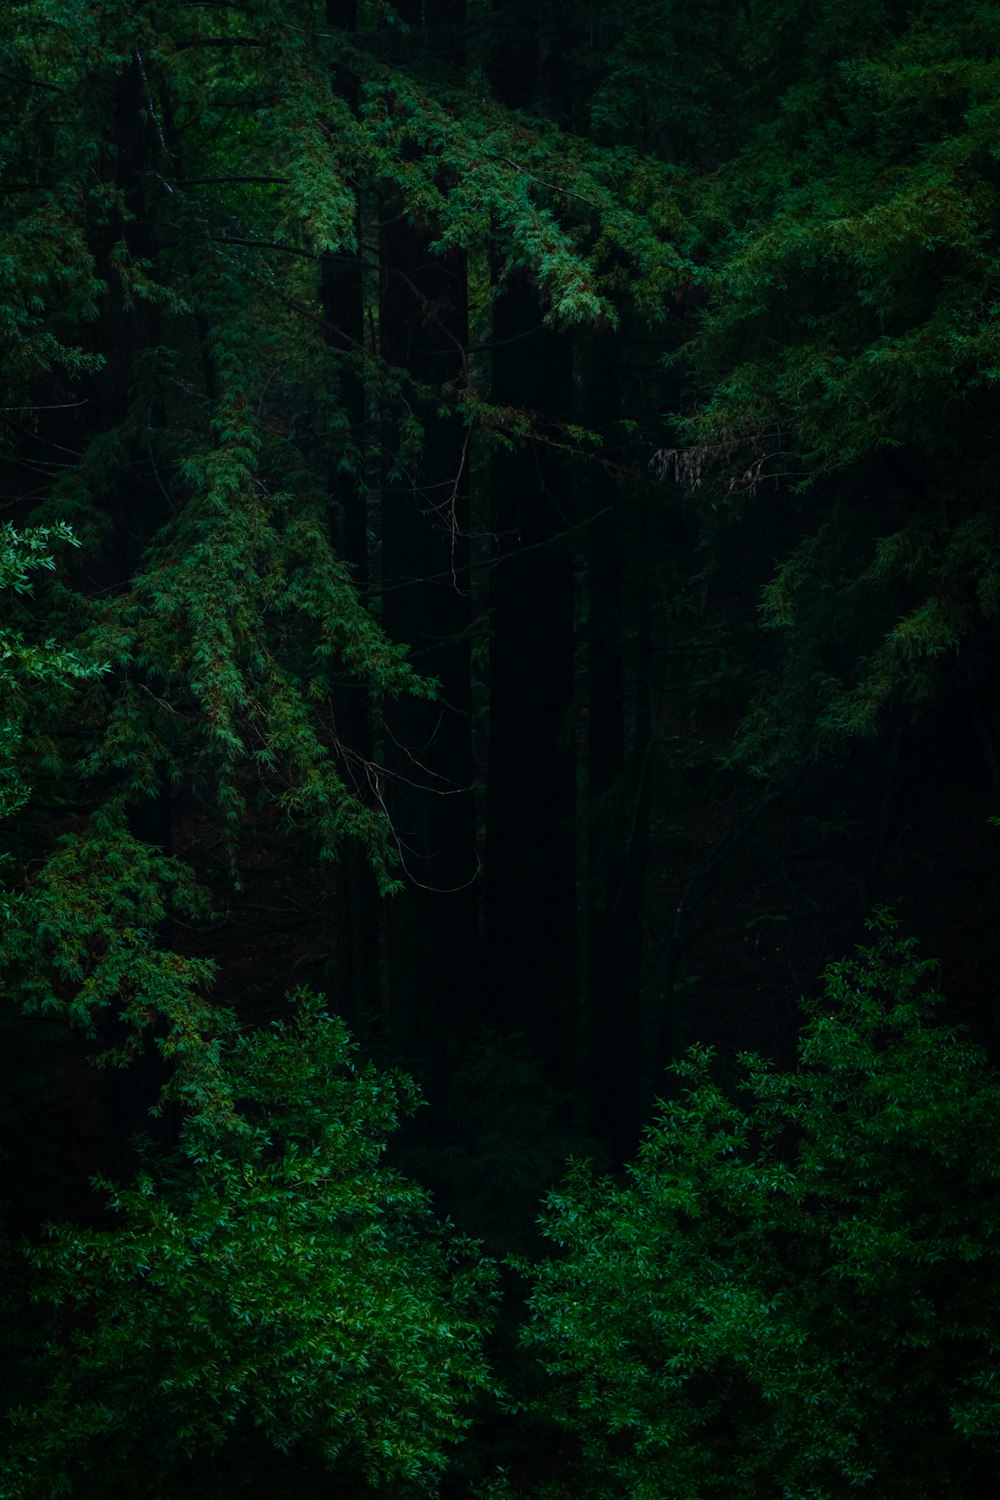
32	672
796	1291
274	1277
167	230
82	940
849	351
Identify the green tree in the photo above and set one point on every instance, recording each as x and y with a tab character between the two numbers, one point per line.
234	250
794	1291
844	371
272	1300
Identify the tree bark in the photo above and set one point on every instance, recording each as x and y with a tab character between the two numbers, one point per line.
531	797
431	926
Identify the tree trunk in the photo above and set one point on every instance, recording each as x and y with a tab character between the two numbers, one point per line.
356	936
431	925
530	843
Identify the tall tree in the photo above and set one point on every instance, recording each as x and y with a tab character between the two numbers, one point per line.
423	329
531	797
776	1271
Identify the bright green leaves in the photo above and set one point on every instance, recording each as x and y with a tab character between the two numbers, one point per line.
802	1284
277	1283
566	212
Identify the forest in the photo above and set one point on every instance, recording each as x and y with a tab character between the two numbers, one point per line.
499	749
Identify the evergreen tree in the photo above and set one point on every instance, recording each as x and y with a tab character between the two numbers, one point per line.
843	374
272	1300
795	1289
174	236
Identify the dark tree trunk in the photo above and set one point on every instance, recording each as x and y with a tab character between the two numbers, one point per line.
612	974
641	1076
530	842
431	925
128	329
356	934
